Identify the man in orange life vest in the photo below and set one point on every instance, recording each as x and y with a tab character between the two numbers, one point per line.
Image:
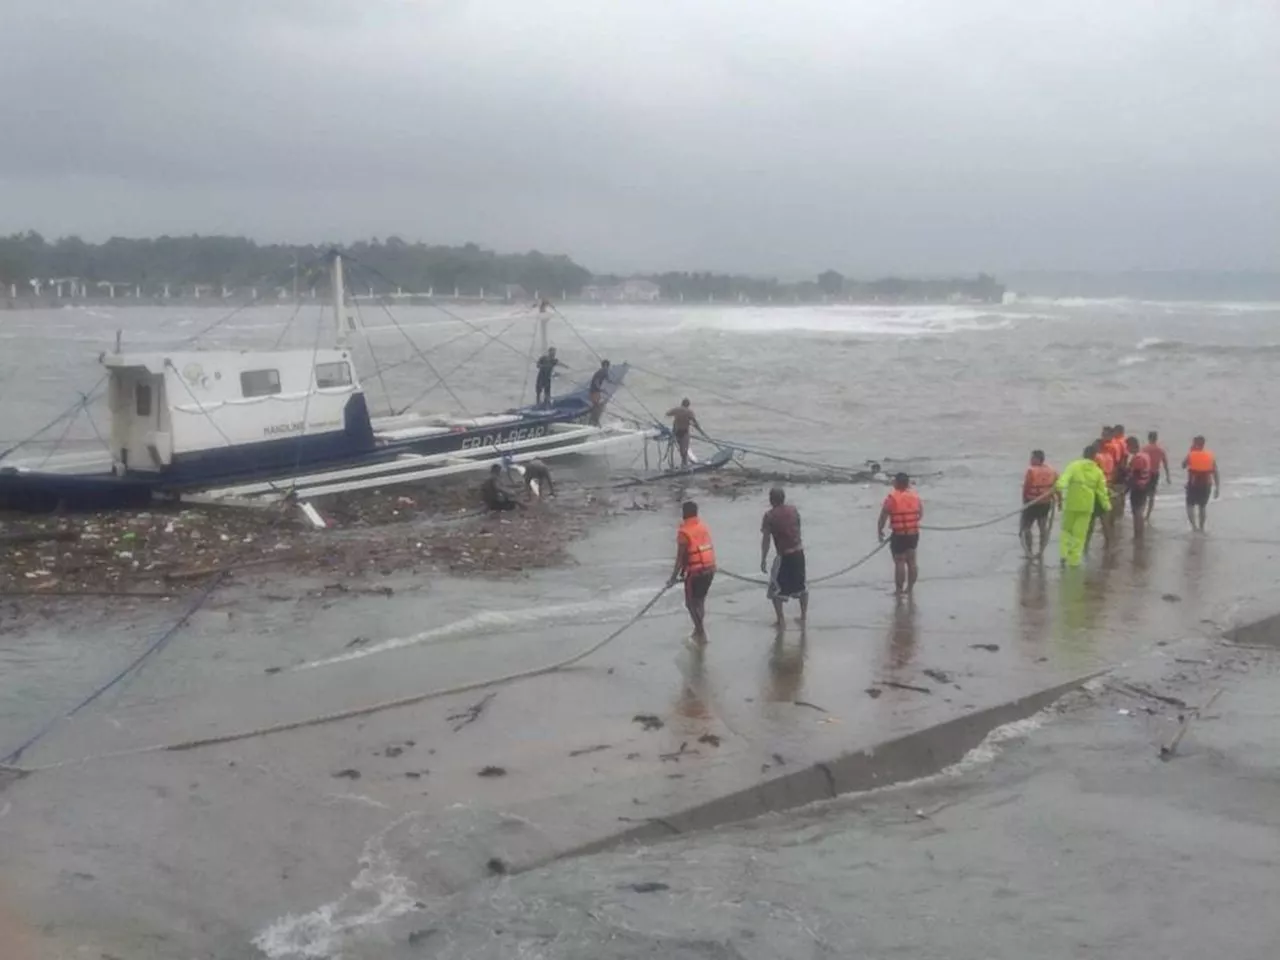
1140	479
903	510
1119	450
696	561
1038	498
1106	462
1202	475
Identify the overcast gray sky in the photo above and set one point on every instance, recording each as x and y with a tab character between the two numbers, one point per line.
915	135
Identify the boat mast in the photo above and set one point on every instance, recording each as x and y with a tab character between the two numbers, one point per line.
544	318
339	297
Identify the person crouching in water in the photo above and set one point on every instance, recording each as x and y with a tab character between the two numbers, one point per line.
903	511
1038	497
491	492
537	472
696	562
781	525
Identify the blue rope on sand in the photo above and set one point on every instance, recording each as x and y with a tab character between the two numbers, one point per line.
156	645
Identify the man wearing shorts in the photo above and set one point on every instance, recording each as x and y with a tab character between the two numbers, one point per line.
781	526
1202	477
1038	498
903	511
1159	460
696	562
1139	480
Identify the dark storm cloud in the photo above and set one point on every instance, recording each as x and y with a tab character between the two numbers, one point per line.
918	135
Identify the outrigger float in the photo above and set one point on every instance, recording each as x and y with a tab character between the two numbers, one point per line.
236	425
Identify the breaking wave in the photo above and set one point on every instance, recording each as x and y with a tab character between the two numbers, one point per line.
1176	347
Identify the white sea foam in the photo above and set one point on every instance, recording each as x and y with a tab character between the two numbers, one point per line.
378	894
853	319
1132	360
490	620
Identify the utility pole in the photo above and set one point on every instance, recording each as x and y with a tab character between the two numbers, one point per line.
295	278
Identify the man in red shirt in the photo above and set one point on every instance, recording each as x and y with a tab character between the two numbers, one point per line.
1159	459
1138	480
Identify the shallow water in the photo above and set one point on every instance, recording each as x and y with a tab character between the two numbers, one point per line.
957	393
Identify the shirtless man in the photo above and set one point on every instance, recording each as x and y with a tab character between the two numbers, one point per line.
682	419
1159	460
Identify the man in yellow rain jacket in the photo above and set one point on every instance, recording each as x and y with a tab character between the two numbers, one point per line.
1082	486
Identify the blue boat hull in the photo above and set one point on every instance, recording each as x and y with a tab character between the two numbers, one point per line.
354	446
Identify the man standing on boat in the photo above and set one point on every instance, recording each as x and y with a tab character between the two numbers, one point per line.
781	526
696	562
596	392
547	364
682	419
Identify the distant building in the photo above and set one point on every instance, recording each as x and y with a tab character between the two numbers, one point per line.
629	291
645	291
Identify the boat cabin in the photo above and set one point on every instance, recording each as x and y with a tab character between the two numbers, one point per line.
173	408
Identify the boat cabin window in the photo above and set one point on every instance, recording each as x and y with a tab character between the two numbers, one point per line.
260	383
142	392
333	374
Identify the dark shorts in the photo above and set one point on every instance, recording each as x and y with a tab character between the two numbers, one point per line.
1153	485
1198	494
1138	497
697	586
682	436
1034	512
787	580
543	382
901	543
595	396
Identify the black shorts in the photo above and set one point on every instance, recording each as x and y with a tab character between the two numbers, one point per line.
1035	511
1153	485
901	543
1138	497
697	586
1198	494
787	581
542	383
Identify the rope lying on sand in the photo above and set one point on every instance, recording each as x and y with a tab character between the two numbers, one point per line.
156	645
364	711
7	765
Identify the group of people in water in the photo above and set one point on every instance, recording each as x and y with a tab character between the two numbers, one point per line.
1091	491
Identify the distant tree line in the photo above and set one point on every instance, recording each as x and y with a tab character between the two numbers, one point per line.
384	265
236	262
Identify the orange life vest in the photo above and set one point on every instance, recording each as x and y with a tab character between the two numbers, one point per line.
1140	471
1107	462
1039	481
1201	463
1119	449
904	511
700	555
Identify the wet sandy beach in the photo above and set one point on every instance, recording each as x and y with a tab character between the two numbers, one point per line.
205	850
